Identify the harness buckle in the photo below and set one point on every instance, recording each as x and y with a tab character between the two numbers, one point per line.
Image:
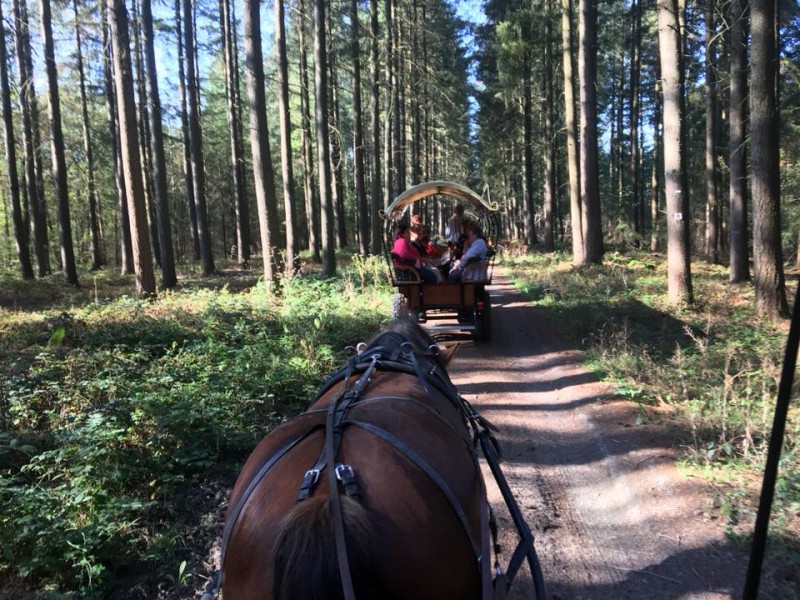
311	477
347	476
344	473
310	480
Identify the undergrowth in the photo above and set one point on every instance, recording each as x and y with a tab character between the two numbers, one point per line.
118	418
716	365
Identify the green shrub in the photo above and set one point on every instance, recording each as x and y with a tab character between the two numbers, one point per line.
112	425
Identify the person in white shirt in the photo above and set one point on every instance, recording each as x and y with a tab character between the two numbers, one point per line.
455	225
476	250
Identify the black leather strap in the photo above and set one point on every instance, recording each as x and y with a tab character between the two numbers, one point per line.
426	468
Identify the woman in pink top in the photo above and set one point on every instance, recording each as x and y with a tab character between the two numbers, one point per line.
404	253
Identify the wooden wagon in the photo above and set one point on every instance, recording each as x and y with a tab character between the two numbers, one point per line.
463	306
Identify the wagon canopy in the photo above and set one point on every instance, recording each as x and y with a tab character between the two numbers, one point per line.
434	188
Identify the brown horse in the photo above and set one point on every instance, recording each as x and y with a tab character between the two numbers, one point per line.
374	492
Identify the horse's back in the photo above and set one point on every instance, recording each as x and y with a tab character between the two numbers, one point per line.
415	470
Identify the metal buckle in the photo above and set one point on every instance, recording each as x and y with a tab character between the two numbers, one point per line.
344	473
311	477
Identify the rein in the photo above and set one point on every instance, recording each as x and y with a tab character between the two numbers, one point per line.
393	352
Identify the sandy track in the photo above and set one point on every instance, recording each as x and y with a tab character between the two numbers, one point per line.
612	516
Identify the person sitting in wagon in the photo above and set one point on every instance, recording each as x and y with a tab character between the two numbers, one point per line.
405	254
475	249
456	225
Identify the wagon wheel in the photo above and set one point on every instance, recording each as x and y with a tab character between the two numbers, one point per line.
483	319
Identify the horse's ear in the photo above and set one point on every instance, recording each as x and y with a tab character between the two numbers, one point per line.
447	352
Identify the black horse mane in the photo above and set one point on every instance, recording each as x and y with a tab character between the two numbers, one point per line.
405	331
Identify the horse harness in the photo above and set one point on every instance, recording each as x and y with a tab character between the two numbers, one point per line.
401	357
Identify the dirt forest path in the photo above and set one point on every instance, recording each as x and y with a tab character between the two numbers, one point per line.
612	516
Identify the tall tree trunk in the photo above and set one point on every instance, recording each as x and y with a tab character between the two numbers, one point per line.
125	244
94	226
20	228
264	178
415	86
388	167
737	147
635	157
311	201
241	209
712	194
765	162
590	185
57	148
527	136
334	138
191	205
571	126
376	231
549	200
398	167
34	186
159	163
196	141
286	138
134	184
323	144
146	160
655	188
677	192
358	134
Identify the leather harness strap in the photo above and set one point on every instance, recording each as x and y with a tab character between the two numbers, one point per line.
212	590
336	507
401	356
426	468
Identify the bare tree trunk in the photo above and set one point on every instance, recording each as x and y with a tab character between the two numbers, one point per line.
241	209
549	200
143	127
159	163
527	136
334	139
765	162
635	157
655	188
34	186
590	192
94	227
57	148
126	110
20	228
191	204
312	204
358	134
376	232
415	86
388	167
737	147
398	168
573	162
323	144
125	244
259	140
677	192
196	142
712	193
286	137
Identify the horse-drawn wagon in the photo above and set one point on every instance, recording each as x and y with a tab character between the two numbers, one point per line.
463	304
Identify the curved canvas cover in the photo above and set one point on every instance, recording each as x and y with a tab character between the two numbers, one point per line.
433	188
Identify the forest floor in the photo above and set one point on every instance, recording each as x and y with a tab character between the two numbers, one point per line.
596	477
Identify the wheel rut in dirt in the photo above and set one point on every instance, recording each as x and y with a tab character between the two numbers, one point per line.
612	516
